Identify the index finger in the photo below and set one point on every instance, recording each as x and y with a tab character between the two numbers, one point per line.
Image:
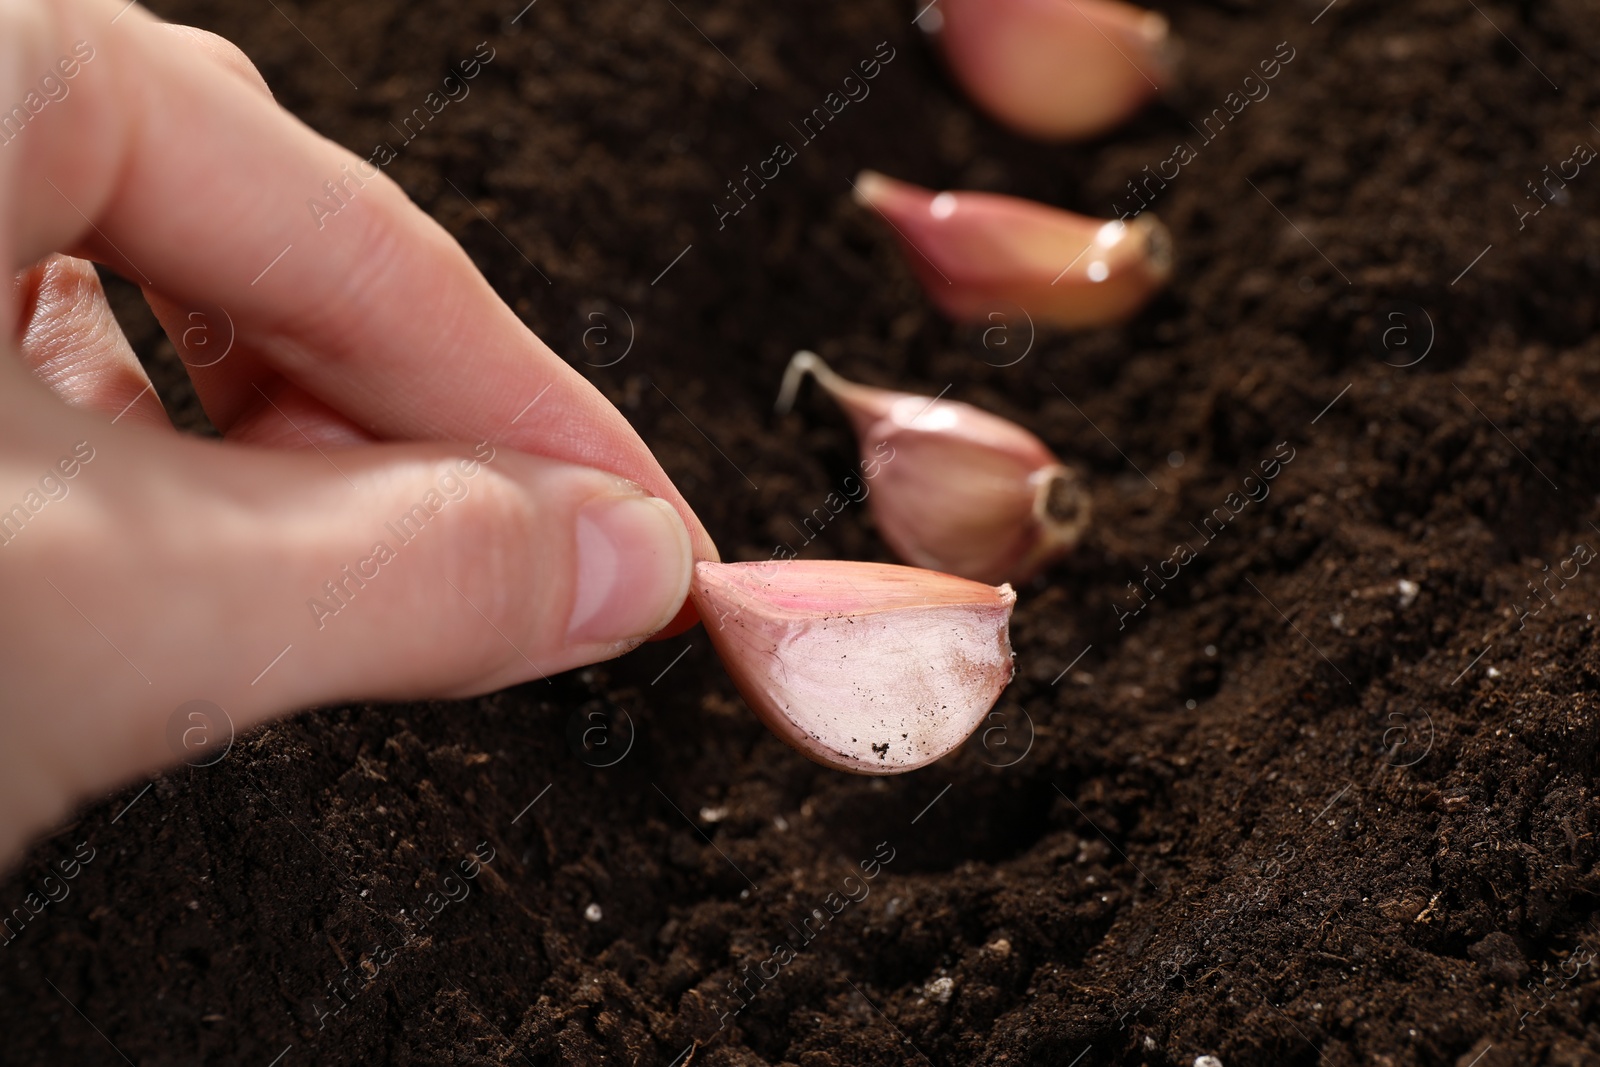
170	168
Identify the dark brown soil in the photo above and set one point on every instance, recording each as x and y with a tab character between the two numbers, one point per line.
1329	798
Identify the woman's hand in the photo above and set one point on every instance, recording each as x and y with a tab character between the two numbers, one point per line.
311	558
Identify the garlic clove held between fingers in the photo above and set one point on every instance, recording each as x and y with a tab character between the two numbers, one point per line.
981	253
864	667
954	488
1055	69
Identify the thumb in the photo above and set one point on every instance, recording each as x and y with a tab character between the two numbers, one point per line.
265	581
420	570
431	571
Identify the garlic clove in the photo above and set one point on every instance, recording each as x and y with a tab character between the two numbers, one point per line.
952	487
981	253
864	667
1056	69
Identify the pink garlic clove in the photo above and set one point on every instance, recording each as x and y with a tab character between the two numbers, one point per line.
864	667
952	487
1055	69
981	253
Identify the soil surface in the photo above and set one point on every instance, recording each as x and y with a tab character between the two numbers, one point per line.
1326	797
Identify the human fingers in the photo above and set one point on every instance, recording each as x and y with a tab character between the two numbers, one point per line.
72	342
207	192
246	398
147	570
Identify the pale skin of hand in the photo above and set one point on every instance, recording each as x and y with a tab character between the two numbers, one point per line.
171	569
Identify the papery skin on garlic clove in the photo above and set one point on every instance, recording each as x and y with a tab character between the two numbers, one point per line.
978	254
952	487
1055	69
865	667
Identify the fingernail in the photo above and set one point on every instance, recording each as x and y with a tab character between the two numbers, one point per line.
634	566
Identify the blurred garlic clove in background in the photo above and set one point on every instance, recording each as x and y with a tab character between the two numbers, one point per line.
1054	69
865	667
977	253
954	488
